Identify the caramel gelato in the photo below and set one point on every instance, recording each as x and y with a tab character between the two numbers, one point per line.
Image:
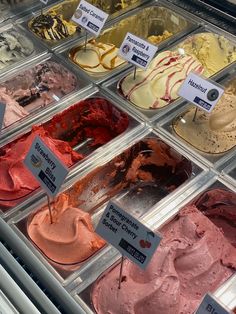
97	57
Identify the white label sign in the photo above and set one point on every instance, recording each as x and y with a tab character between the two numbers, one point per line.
209	305
200	92
128	235
2	112
137	51
48	170
89	17
44	1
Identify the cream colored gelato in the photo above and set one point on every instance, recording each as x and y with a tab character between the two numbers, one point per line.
213	132
213	51
158	85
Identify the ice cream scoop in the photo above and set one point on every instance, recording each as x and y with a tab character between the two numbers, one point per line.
193	258
14	47
213	132
70	238
158	85
16	180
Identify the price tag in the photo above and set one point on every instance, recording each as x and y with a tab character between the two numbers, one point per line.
137	51
89	17
44	1
48	170
210	305
200	92
128	235
2	112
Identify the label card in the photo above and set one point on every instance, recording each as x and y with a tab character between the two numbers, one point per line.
137	51
133	239
89	17
47	169
44	1
209	305
200	92
2	112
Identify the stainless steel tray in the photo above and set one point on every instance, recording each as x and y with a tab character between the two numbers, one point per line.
67	9
28	98
162	216
61	120
36	51
111	179
165	123
113	85
161	17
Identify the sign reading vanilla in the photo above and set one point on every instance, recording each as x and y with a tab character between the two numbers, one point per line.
89	17
48	170
200	92
128	235
2	112
210	305
137	51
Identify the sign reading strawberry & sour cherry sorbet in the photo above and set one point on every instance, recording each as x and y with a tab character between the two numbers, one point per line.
210	305
137	51
89	17
47	169
201	92
2	112
133	239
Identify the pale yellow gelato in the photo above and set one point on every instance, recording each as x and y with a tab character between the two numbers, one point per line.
214	52
213	132
158	86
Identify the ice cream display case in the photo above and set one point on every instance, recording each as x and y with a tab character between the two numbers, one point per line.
36	90
54	27
153	92
125	138
211	136
157	22
82	129
190	261
148	171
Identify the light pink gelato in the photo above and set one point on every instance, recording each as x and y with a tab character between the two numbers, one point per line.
194	258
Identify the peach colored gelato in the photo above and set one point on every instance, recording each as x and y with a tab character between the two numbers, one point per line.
70	238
